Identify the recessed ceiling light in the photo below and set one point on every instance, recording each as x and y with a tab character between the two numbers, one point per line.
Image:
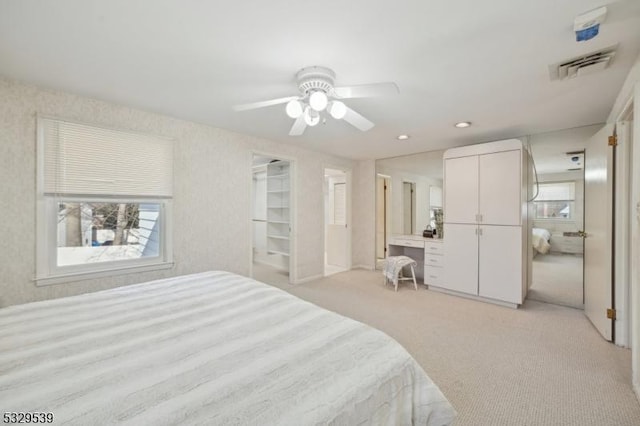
463	124
403	137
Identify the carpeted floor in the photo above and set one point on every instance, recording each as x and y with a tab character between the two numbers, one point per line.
557	278
541	364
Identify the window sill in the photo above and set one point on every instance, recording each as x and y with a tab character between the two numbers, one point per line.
79	276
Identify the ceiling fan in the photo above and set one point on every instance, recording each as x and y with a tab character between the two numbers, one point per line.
318	94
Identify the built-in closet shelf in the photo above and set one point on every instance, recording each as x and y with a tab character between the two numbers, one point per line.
278	208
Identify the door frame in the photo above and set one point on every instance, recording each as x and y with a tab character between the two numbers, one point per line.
623	214
348	187
293	208
414	212
387	214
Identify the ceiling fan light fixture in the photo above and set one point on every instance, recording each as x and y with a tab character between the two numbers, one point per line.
337	110
311	116
318	100
294	108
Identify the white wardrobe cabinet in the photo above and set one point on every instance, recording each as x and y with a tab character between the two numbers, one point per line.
461	190
483	188
499	187
486	226
461	261
500	263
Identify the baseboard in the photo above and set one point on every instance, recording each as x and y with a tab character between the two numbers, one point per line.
307	279
636	388
366	267
473	297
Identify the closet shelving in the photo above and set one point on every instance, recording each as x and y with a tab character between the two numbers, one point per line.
278	226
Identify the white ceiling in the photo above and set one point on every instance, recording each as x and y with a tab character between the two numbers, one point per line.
482	61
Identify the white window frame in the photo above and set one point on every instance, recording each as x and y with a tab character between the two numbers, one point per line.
47	270
558	219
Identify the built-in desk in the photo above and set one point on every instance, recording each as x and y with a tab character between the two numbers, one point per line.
412	246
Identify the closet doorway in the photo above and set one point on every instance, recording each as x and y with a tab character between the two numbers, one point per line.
271	220
337	230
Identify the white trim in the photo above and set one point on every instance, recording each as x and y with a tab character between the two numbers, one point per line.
622	232
365	267
80	276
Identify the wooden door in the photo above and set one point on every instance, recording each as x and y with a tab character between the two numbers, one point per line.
598	226
499	200
461	258
461	189
500	263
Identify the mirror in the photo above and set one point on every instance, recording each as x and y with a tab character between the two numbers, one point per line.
408	190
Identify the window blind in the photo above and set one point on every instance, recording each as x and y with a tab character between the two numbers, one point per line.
558	191
86	160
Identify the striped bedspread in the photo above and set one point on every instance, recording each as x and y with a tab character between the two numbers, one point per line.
213	348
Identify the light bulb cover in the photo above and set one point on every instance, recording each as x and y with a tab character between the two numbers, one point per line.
318	100
294	108
337	110
311	116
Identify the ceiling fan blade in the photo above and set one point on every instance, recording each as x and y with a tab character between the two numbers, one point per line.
366	90
262	104
298	126
357	121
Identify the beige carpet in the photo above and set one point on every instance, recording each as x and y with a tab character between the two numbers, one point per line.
557	278
539	365
270	275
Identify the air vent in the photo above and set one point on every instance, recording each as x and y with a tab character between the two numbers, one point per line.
583	65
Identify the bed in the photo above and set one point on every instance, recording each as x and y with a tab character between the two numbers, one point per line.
541	240
208	348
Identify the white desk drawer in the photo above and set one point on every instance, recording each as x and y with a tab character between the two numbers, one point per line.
406	243
433	248
433	260
433	275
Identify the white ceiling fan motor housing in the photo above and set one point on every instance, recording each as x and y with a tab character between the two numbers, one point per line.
315	78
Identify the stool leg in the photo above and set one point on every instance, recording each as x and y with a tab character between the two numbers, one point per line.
413	274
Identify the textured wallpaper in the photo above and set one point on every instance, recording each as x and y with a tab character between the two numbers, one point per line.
364	213
212	196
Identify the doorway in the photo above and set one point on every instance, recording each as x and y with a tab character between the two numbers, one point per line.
337	235
271	219
557	235
383	184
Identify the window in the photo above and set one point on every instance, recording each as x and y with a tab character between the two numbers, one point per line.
104	201
555	201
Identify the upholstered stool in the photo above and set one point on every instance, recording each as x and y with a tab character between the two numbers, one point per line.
392	270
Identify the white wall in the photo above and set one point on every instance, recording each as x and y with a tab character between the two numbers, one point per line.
364	214
212	187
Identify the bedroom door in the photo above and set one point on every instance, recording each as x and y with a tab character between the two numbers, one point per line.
598	227
337	232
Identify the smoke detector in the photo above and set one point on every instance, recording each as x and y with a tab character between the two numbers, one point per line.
587	25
